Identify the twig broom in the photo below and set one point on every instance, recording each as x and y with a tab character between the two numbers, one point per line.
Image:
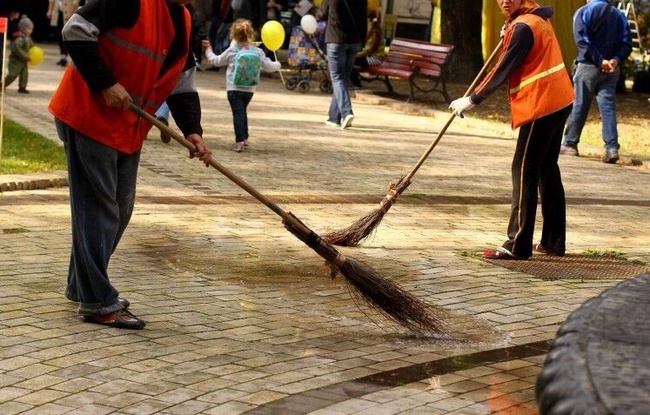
362	228
381	293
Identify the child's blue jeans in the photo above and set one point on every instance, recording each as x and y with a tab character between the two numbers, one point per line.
239	101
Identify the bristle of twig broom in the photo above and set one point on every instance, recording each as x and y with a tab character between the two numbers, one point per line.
381	293
364	227
388	297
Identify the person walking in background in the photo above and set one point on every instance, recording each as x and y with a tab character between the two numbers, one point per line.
429	29
372	53
199	32
215	20
119	60
273	10
540	95
13	17
19	56
344	35
162	114
59	12
244	9
11	13
245	61
270	10
221	23
602	35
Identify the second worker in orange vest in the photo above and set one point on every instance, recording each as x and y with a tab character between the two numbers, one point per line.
541	96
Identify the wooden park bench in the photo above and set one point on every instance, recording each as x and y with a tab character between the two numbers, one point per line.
423	64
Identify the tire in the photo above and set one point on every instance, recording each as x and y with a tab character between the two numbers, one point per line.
291	84
303	86
325	86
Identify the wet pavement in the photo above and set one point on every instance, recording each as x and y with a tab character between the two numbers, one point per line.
245	319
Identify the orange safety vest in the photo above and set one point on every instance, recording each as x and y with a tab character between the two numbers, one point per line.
136	57
540	85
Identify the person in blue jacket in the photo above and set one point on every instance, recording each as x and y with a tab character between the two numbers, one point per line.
602	34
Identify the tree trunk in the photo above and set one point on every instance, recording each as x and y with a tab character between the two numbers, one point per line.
461	23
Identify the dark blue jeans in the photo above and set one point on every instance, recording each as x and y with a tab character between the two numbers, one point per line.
239	101
102	185
588	82
340	57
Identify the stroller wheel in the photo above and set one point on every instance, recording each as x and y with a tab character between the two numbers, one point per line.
325	86
291	84
303	86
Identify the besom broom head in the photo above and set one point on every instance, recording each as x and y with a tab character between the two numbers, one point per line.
364	227
367	284
357	231
386	296
381	293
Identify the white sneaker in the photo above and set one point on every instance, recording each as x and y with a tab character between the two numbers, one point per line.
331	124
238	147
347	121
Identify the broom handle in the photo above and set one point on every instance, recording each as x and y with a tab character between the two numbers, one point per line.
222	169
478	78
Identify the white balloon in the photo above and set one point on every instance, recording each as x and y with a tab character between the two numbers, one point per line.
309	24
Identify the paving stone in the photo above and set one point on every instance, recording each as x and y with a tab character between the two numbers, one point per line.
243	318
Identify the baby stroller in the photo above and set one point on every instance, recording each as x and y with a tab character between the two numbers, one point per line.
306	54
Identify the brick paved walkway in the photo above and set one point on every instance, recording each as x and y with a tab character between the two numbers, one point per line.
243	318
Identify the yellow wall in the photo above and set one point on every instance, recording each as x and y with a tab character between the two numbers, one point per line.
493	20
562	23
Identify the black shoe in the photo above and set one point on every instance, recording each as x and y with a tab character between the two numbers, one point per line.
164	137
121	319
63	62
610	156
23	90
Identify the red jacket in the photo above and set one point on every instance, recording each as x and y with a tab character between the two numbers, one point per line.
136	56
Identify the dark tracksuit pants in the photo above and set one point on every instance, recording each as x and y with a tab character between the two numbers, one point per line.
535	168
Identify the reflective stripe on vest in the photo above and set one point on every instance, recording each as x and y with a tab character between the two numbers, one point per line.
536	77
136	48
159	57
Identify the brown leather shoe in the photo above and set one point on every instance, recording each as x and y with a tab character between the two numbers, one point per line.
122	319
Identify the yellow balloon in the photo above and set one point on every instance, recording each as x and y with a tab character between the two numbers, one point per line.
36	55
273	35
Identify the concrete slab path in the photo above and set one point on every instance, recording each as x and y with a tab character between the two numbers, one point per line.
245	319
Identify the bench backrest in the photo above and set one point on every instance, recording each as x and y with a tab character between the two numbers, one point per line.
430	58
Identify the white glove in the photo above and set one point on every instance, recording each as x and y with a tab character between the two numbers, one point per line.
460	105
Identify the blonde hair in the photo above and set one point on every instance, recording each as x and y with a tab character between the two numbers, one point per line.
242	31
